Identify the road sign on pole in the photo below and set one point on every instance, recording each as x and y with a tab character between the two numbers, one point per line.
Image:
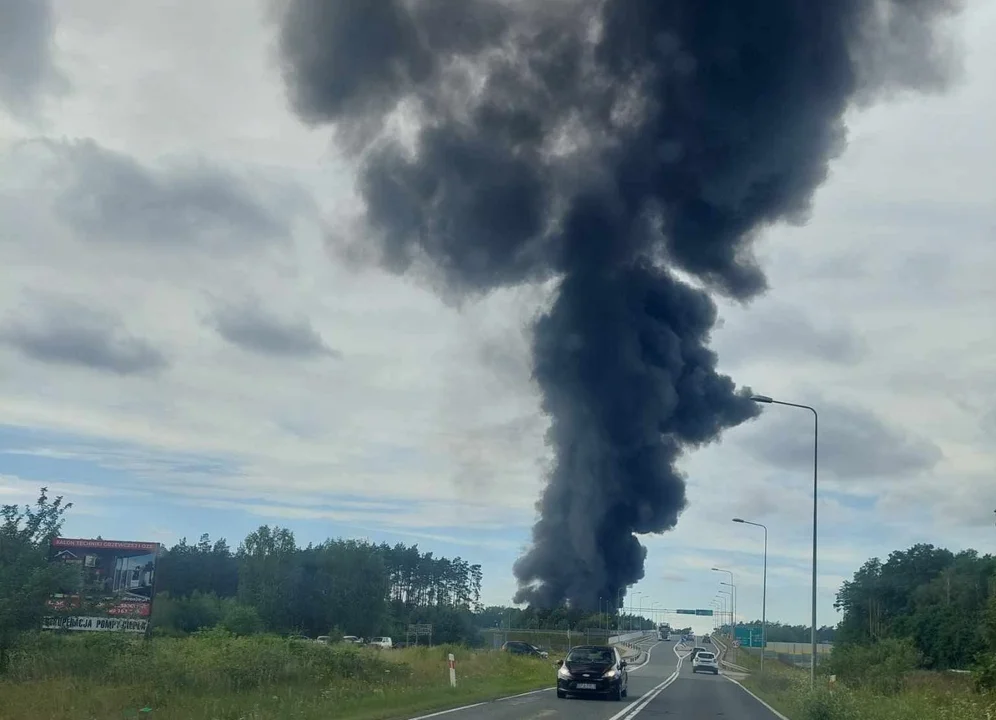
704	613
685	612
749	636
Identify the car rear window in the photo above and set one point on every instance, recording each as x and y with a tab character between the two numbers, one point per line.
706	656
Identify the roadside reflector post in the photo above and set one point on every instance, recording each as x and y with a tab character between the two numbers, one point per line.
452	670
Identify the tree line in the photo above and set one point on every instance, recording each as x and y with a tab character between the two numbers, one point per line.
924	608
935	600
559	618
336	587
267	584
781	632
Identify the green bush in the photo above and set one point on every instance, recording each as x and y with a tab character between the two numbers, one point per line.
881	666
242	620
824	704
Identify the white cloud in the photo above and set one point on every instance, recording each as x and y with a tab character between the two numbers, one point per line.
880	307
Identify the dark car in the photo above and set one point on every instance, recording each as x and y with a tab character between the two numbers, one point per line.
593	670
696	650
706	640
517	647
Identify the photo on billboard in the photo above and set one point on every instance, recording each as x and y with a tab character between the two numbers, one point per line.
109	585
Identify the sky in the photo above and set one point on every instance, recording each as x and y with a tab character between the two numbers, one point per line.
185	348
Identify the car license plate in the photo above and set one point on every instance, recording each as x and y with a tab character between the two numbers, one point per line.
586	686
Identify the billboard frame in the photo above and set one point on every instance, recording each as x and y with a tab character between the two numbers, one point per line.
116	589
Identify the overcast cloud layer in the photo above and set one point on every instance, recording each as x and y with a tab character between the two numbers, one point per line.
176	328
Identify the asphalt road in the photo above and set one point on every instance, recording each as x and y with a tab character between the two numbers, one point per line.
663	687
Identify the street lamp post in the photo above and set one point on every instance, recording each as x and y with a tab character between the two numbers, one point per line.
725	594
733	605
816	443
632	614
764	589
722	600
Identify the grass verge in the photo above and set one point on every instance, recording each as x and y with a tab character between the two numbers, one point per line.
219	677
938	696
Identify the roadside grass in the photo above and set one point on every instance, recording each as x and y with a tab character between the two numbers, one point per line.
215	676
933	695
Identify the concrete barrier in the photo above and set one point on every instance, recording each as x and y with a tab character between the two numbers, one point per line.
628	637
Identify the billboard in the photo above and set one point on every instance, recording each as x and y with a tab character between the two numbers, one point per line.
111	585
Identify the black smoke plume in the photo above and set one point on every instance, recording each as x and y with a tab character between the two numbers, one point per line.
609	143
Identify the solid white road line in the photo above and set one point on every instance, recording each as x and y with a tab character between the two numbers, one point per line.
771	709
649	651
638	707
512	697
447	712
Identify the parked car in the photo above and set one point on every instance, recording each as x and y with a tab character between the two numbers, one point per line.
593	670
517	647
352	639
324	640
706	662
381	642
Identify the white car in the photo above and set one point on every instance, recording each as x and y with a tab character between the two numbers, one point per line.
705	661
352	639
382	642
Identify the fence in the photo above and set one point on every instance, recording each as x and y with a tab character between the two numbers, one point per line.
557	640
797	654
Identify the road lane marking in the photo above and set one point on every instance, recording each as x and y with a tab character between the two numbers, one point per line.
770	709
479	704
447	712
636	708
522	695
649	651
510	697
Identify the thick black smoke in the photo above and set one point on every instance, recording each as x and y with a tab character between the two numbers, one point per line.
601	141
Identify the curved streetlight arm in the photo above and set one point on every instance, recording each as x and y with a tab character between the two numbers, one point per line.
816	443
733	599
764	589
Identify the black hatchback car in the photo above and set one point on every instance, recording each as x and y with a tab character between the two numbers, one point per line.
593	670
517	647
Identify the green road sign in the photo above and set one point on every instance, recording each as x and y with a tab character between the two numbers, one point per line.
705	613
748	636
685	612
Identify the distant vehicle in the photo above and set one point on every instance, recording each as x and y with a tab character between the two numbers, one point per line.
706	640
706	662
382	642
324	639
593	670
517	647
352	639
